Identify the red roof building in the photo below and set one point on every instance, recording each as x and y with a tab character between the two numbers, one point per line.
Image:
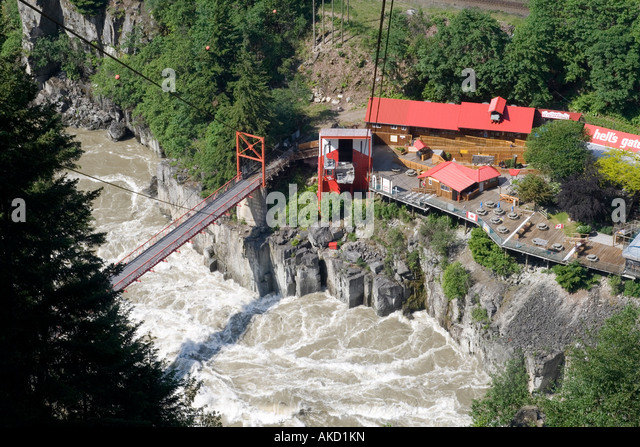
518	120
407	113
455	117
455	181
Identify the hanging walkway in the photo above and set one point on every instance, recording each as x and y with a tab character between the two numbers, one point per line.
193	222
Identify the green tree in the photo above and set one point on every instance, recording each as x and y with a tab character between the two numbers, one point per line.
507	394
455	281
69	353
558	149
10	30
573	277
530	58
621	168
600	386
472	39
534	188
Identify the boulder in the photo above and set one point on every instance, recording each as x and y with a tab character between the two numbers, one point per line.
529	416
387	296
117	130
320	236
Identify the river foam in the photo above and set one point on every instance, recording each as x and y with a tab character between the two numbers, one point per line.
274	360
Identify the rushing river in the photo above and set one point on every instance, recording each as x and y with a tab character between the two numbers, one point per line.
274	360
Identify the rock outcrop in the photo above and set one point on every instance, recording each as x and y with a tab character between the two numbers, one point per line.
75	100
288	261
529	314
107	30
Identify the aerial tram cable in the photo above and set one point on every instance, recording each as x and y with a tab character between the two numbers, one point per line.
384	60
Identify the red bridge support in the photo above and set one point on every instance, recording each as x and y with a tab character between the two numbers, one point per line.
246	148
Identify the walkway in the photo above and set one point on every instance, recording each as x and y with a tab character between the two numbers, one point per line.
537	237
183	229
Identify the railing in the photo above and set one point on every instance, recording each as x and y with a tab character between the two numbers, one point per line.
177	222
188	234
516	245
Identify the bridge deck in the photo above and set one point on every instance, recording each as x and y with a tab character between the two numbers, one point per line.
191	223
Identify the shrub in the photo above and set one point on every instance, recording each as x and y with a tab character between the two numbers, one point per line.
438	232
455	281
607	230
632	288
413	261
583	229
615	282
89	7
573	277
489	255
480	315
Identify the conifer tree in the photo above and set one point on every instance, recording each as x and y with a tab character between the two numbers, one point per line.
69	354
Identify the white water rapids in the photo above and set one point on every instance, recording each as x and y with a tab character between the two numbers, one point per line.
274	360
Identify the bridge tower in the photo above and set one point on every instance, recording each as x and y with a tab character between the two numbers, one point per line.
253	209
250	147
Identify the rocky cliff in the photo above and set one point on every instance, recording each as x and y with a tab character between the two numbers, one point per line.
75	99
288	261
528	313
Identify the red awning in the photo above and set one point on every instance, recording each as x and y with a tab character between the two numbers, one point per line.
514	172
419	144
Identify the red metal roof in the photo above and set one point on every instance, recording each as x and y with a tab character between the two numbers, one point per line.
459	177
497	105
435	115
403	112
419	144
514	119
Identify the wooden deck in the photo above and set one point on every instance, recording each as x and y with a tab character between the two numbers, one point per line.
547	243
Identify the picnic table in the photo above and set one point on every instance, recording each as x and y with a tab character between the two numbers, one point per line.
540	242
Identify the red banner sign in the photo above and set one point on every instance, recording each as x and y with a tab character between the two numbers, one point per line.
613	138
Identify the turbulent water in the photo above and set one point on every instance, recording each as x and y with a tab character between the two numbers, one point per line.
274	360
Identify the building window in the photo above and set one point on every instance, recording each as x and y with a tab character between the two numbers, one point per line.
394	127
404	127
430	181
376	126
444	187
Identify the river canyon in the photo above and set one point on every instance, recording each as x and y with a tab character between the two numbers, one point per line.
273	360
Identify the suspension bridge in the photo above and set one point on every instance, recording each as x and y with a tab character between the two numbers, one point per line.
205	213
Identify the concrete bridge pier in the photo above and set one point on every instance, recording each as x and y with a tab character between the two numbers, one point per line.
253	209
